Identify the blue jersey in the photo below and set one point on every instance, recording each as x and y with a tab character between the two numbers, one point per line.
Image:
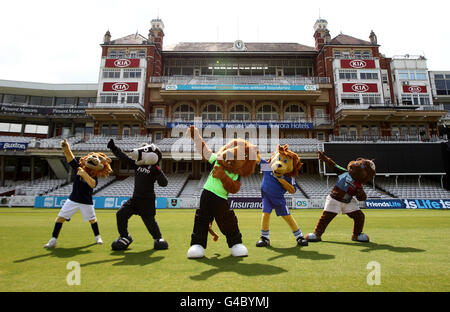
81	191
271	187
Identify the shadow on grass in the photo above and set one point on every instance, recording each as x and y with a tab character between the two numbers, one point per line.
129	258
374	247
60	253
300	253
234	264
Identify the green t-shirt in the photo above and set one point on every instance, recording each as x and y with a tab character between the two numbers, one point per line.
214	185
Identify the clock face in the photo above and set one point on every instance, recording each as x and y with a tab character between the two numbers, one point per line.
239	45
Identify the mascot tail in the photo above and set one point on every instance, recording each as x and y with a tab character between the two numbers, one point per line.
211	231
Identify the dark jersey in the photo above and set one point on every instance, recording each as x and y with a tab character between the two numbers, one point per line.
81	191
144	179
346	187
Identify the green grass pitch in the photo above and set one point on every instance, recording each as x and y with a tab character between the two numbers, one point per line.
411	247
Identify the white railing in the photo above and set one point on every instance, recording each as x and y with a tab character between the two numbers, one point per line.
117	105
259	80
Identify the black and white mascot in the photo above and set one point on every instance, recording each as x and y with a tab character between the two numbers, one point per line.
144	160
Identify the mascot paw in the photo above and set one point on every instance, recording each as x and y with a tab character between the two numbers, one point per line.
160	244
263	242
196	252
362	238
313	238
121	243
239	250
301	241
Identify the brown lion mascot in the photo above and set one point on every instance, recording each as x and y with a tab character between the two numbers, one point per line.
236	159
87	171
341	199
279	172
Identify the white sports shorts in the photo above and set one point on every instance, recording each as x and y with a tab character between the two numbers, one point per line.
332	205
70	208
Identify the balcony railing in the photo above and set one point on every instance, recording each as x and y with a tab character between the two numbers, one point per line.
155	120
239	80
344	106
393	138
117	105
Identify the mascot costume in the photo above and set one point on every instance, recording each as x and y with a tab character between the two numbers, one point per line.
144	161
87	171
236	159
341	199
279	172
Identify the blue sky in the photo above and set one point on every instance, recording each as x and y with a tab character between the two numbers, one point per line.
58	41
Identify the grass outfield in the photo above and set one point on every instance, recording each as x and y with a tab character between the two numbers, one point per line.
412	248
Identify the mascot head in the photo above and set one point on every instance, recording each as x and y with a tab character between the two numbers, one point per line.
96	164
239	156
362	170
285	162
147	155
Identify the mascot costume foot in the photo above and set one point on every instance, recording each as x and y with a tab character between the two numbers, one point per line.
279	172
86	171
236	159
341	199
144	161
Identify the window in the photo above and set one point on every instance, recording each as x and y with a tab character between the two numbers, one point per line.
395	131
371	99
350	99
407	99
348	74
132	73
212	112
158	136
374	131
85	101
343	131
294	112
36	129
10	127
114	130
267	112
65	101
14	98
366	55
135	130
353	131
104	130
421	75
369	76
403	75
132	98
111	73
239	112
41	100
111	98
184	112
141	54
365	131
357	54
337	54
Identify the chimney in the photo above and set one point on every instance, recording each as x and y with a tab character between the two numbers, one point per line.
107	37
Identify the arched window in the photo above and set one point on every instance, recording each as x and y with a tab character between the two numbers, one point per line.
375	131
343	130
294	112
267	112
353	131
212	112
395	131
184	112
365	131
239	112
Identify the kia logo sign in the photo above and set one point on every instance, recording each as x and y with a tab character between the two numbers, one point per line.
122	63
358	64
415	89
120	86
360	87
